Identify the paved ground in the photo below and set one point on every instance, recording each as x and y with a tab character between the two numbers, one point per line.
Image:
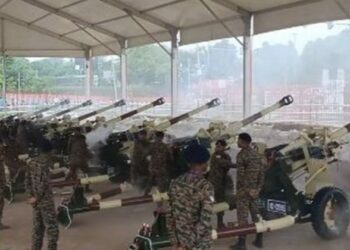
114	229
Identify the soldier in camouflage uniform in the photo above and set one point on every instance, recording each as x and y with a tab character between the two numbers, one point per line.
79	154
159	164
2	183
11	158
41	198
191	199
22	137
250	179
139	163
220	164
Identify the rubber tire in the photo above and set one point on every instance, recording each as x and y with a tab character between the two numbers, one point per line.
317	213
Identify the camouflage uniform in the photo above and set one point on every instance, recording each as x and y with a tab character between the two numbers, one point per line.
22	138
79	155
11	159
139	163
2	181
220	164
190	210
44	216
159	166
250	175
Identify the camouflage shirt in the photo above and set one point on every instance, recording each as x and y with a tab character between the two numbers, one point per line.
77	147
2	167
191	199
139	157
220	164
250	170
160	158
38	177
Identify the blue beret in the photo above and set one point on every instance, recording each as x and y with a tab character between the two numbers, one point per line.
195	153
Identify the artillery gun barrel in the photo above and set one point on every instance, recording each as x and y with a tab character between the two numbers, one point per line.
96	112
304	140
38	113
164	125
340	132
66	209
106	194
146	240
235	126
155	103
84	104
82	181
168	123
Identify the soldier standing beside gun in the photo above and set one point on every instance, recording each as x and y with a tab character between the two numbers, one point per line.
79	154
2	183
139	163
159	165
250	178
220	164
11	157
41	198
191	199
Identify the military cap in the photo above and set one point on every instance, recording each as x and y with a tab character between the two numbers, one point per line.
245	137
196	153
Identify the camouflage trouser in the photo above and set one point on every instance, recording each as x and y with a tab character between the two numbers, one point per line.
74	165
160	180
14	167
44	217
246	204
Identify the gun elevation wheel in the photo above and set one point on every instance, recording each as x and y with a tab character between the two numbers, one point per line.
330	213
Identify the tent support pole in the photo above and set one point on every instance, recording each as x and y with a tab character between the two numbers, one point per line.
89	73
123	72
174	72
247	65
3	56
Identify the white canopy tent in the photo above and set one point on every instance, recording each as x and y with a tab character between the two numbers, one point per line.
87	28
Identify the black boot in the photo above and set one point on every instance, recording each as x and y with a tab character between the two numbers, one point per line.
220	219
240	245
258	242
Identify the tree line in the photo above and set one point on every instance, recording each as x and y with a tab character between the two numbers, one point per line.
149	66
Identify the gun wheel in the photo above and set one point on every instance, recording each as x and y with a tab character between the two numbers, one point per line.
330	213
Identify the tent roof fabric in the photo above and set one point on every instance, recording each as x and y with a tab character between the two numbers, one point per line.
72	27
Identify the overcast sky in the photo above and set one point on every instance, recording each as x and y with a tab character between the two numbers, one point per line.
302	35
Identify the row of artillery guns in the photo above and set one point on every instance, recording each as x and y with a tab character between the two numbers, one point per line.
78	203
109	168
283	201
58	129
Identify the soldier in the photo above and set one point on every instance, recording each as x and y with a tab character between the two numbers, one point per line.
79	154
191	199
11	158
2	183
41	198
139	163
159	164
220	164
250	178
22	137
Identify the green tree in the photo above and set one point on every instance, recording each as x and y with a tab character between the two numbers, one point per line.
148	70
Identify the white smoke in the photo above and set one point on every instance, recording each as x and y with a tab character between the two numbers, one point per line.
98	137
